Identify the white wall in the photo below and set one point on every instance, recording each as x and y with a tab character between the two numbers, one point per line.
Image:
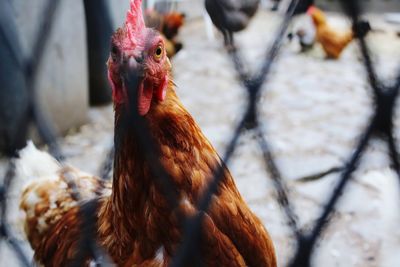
62	82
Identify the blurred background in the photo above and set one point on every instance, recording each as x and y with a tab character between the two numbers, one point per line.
313	109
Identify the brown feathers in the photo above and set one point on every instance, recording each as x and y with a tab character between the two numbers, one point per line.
136	225
46	200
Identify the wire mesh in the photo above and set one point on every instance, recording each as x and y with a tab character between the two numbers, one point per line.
380	126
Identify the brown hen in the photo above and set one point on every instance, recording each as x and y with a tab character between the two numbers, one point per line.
136	225
333	42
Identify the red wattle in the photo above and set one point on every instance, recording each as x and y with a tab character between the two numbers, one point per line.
161	91
144	99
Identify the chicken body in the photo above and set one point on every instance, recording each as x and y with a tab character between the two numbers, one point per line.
333	42
306	40
301	7
231	15
136	225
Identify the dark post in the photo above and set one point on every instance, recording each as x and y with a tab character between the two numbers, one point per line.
99	30
14	98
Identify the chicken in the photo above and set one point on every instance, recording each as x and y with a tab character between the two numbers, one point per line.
136	224
306	40
231	15
168	24
301	7
332	41
48	199
173	21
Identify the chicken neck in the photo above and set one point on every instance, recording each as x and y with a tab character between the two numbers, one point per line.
138	205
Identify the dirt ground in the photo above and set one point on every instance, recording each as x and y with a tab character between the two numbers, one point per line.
312	112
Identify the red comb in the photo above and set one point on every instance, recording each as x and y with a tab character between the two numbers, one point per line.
311	10
134	24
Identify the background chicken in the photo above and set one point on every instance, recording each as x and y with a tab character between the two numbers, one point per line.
333	42
136	225
168	24
306	40
301	7
48	197
231	15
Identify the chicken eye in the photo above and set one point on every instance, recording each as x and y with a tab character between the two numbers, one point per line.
158	52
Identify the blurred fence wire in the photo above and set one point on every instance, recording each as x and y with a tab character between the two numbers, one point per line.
385	95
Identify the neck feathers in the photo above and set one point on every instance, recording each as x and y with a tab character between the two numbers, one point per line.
138	205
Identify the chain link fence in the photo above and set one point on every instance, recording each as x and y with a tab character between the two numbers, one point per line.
385	94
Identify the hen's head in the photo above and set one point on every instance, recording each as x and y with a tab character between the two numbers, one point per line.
317	15
142	50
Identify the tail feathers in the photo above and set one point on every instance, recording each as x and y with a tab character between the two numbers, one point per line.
34	163
32	166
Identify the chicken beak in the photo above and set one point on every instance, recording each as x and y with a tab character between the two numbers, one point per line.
133	80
